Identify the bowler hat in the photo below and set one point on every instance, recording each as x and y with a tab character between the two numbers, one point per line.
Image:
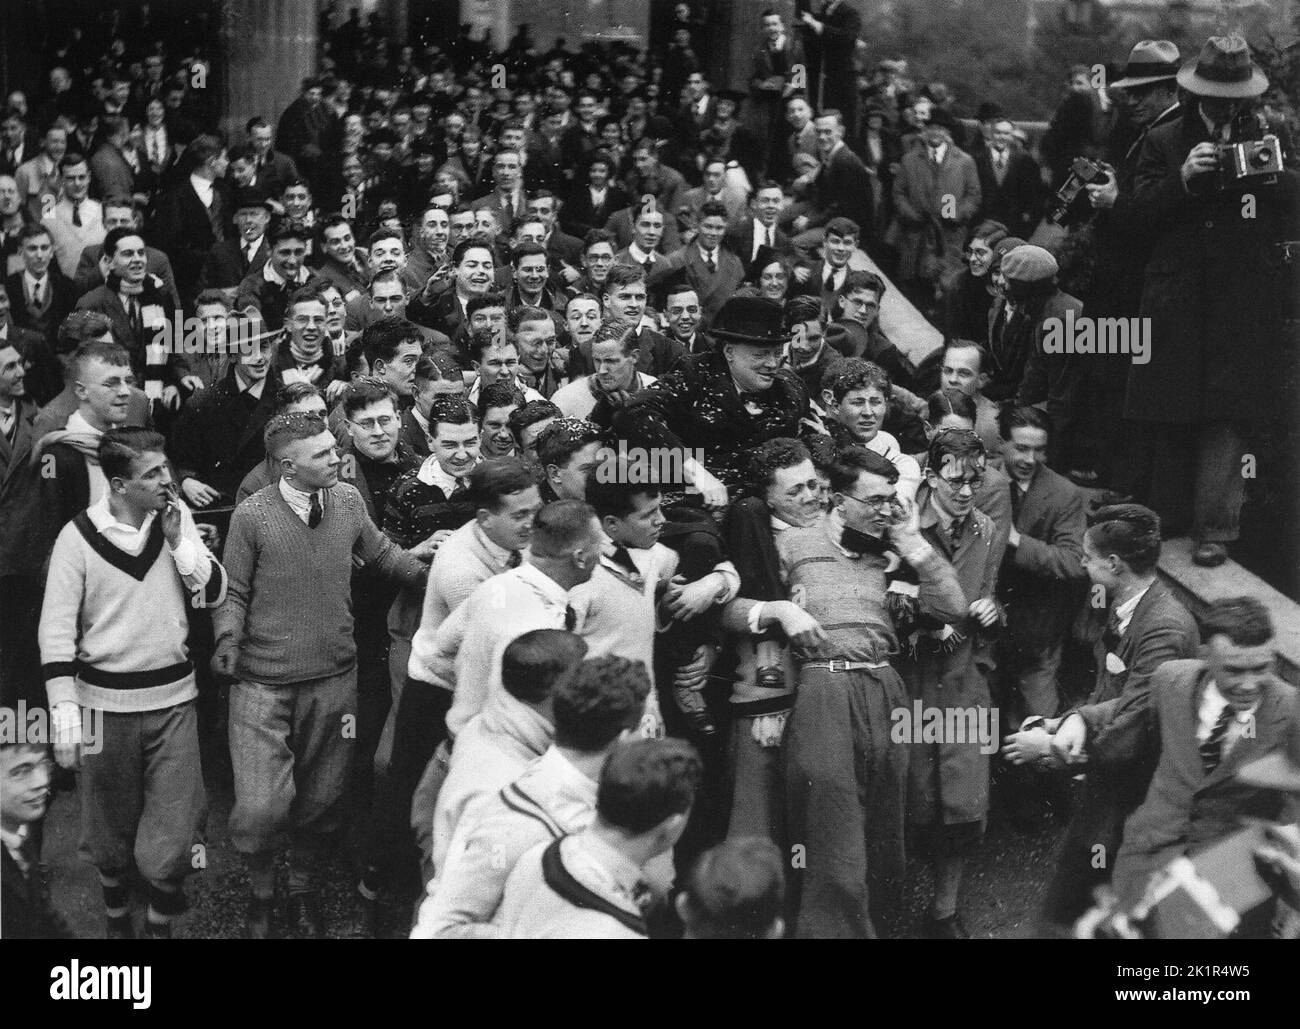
1224	69
1150	60
251	196
751	320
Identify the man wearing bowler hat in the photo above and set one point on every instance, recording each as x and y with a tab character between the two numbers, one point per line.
1216	296
722	403
1148	97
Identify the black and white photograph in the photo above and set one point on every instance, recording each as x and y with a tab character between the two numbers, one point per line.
917	558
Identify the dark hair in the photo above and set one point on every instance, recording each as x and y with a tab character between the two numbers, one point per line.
78	327
307	293
119	447
770	457
1129	531
115	236
1244	620
492	298
713	209
451	411
850	462
965	344
364	392
534	663
379	235
613	491
294	393
616	332
486	338
531	413
800	309
842	226
518	253
1020	416
863	279
736	890
943	402
70	160
621	274
284	229
284	429
596	701
594	238
845	374
382	339
498	394
467	244
563	438
524	313
119	200
645	781
955	445
31	230
202	149
491	481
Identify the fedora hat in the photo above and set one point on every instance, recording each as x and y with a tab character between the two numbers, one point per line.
751	320
1223	69
1150	60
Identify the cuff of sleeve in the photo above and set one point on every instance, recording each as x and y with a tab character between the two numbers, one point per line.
728	572
185	556
755	613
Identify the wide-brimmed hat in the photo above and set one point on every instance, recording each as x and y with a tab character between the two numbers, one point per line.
251	196
1224	69
751	320
1150	60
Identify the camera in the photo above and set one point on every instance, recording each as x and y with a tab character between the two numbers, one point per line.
1253	161
1066	204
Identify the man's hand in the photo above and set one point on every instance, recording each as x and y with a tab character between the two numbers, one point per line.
1028	746
1105	194
171	524
811	22
335	390
225	659
713	491
690	600
192	383
199	494
1071	735
439	282
799	224
66	719
171	397
1013	537
985	611
801	628
1203	159
693	676
425	551
802	274
906	530
569	274
105	266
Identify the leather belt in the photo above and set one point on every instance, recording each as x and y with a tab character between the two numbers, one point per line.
839	665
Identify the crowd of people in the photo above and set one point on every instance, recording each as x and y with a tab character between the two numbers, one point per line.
499	461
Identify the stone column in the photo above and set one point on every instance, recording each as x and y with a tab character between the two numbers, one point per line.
270	47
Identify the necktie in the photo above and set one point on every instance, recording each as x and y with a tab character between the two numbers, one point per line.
9	423
570	618
133	316
955	531
316	513
710	262
516	559
76	213
249	248
215	219
37	291
1212	749
1110	637
648	263
1017	498
830	281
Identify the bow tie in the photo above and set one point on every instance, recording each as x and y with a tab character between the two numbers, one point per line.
860	543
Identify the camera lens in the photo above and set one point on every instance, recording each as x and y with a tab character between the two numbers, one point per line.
1260	158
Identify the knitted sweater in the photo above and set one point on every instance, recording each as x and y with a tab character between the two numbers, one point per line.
114	625
289	606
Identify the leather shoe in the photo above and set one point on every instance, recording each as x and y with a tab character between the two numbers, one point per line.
120	928
1210	555
258	926
305	916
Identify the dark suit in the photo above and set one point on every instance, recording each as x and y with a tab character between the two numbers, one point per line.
275	172
59	297
713	287
1040	585
579	215
87	276
1185	809
506	217
1017	200
110	175
832	56
25	539
560	246
28	913
1119	766
218	438
226	265
134	340
183	230
739	239
843	189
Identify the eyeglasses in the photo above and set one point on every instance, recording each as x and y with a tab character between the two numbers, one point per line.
958	485
877	503
368	424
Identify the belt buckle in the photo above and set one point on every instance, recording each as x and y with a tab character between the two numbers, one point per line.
837	665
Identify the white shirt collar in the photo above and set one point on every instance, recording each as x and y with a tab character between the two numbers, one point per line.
431	473
299	501
499	553
204	188
1212	704
77	423
939	153
639	255
550	590
1124	611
